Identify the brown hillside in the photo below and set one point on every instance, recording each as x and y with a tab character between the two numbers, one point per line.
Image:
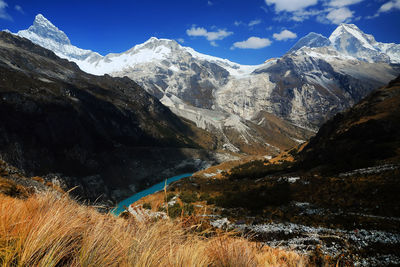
367	134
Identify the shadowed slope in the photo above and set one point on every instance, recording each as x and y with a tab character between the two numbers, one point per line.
58	119
366	134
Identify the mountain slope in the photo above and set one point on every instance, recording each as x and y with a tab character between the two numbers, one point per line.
365	135
100	133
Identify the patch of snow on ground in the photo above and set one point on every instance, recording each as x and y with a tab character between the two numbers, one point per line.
298	140
370	170
303	238
230	147
44	80
224	222
143	215
289	179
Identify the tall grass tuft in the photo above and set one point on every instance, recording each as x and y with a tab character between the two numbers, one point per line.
50	229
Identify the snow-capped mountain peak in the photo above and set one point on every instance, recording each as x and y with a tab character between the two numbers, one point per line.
45	29
311	40
47	35
351	31
350	40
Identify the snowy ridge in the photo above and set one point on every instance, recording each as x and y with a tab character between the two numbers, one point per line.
355	32
45	34
350	40
311	40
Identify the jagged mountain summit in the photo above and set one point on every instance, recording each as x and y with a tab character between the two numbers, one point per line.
45	34
316	79
349	40
311	40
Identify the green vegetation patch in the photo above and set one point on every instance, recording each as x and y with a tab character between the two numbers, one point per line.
257	169
189	197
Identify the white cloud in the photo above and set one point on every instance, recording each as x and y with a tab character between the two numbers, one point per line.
19	9
254	22
211	36
209	3
386	7
3	12
302	15
213	43
331	11
238	23
340	15
343	3
290	5
284	35
389	6
338	11
252	43
181	40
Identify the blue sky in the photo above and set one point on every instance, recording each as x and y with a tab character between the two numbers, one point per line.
245	31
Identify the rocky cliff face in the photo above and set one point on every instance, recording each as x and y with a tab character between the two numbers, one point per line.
87	130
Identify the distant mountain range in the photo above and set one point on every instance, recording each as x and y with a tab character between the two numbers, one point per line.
316	79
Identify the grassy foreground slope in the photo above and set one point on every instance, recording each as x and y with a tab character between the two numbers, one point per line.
50	229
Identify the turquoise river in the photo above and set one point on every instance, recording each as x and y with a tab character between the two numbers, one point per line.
157	187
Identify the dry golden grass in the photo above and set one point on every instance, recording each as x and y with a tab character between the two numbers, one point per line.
52	230
10	188
226	166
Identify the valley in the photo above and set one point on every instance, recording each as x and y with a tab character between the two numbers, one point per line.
333	197
291	162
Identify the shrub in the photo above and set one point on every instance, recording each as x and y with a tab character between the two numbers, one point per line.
204	196
257	169
147	206
256	199
177	210
188	197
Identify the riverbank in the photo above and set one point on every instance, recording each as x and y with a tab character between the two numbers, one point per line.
123	205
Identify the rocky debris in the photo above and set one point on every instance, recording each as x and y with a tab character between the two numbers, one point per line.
143	215
220	223
332	242
370	170
22	185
